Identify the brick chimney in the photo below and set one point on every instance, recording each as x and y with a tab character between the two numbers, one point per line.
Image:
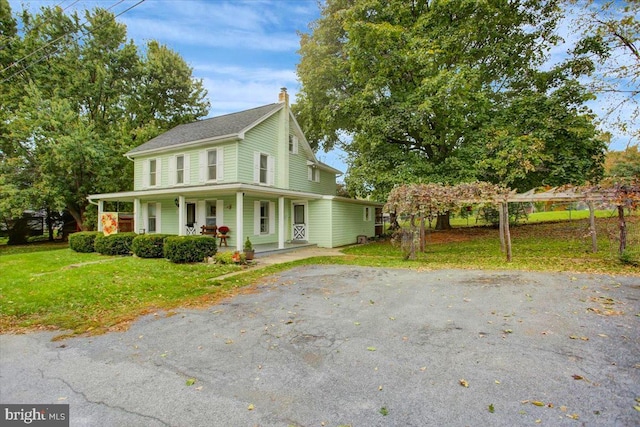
283	96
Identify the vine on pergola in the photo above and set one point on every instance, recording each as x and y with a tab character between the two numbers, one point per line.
427	201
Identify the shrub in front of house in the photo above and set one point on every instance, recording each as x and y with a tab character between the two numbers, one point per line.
83	241
114	244
149	245
181	249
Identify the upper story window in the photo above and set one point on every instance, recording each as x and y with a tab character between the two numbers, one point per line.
263	168
179	169
293	144
212	165
153	172
313	173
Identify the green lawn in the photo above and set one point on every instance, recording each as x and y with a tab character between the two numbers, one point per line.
50	286
69	290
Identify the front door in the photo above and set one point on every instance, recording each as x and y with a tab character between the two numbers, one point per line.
191	218
299	222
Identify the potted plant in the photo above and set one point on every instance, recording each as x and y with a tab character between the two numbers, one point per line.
236	257
249	252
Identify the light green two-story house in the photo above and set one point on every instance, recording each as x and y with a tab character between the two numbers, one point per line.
252	171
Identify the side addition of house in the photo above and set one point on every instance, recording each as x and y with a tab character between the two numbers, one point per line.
252	171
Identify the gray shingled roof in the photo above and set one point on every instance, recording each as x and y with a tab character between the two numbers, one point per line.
228	124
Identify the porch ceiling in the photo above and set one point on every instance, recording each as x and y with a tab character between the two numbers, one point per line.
202	190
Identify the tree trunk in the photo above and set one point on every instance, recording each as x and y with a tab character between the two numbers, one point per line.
393	222
592	228
49	221
503	247
623	230
78	216
443	222
507	233
423	236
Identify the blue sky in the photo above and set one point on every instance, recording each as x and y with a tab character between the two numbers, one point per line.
244	51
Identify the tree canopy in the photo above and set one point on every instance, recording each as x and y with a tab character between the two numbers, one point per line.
609	52
439	91
75	96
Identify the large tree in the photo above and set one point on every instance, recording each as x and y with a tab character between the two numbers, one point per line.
609	51
75	96
428	90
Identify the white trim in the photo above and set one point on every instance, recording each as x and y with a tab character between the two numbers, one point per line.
187	169
220	212
272	218
256	218
173	170
281	222
271	170
158	217
220	164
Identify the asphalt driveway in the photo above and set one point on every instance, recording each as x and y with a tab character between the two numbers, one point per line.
342	345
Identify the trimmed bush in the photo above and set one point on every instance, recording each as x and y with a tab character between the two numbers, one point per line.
181	249
114	244
83	241
149	245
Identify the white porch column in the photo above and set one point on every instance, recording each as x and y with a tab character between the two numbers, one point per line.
136	212
100	210
181	220
239	232
281	222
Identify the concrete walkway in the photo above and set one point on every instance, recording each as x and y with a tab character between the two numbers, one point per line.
263	261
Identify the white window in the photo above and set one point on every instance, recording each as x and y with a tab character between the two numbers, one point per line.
367	213
264	218
293	144
151	173
313	173
212	213
151	218
179	169
263	168
211	165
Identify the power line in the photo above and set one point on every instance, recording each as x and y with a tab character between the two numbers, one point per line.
45	21
16	63
44	57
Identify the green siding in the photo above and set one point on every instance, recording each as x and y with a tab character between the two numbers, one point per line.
262	138
348	223
319	226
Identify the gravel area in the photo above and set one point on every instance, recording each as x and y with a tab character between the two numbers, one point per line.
356	346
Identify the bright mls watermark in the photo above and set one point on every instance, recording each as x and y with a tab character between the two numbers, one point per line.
12	415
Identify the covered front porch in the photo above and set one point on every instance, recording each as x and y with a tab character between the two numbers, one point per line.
272	219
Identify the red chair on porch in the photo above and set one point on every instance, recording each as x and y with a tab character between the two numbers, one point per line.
223	232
